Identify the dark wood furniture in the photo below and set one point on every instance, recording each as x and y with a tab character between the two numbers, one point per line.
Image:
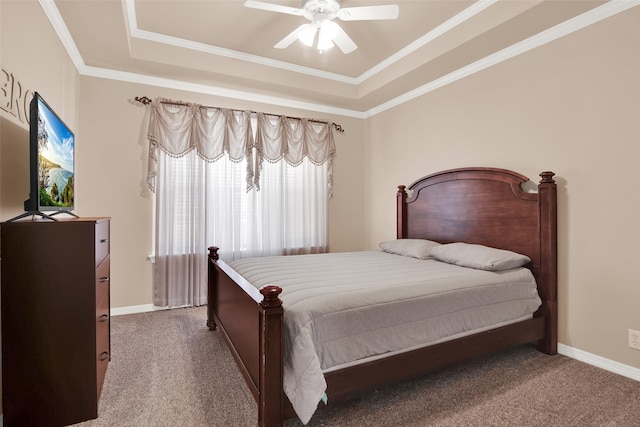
55	320
475	205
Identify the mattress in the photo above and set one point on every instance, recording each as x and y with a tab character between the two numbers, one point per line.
345	308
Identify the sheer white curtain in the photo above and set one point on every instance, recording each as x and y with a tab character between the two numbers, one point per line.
216	184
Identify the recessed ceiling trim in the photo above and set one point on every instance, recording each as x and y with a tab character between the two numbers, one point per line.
441	29
59	26
134	31
53	14
569	26
588	18
233	54
125	76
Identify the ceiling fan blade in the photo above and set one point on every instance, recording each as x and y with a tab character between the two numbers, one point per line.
273	7
291	37
344	42
368	13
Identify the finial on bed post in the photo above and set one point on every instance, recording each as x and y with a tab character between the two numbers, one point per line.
401	220
270	294
547	177
213	253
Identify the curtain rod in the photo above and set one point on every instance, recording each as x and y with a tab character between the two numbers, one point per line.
146	101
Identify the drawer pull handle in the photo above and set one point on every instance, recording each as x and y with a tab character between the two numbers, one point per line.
103	279
103	318
104	356
104	240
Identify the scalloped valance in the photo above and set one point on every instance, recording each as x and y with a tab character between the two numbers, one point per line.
178	128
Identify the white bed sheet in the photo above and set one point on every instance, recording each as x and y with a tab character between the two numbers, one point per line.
343	308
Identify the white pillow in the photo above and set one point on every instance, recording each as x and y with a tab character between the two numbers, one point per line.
479	256
416	248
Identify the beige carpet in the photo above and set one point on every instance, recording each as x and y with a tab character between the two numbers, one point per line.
167	369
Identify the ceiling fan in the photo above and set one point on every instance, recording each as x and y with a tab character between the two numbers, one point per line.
322	13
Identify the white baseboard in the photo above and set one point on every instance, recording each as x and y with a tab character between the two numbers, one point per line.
600	362
134	309
574	353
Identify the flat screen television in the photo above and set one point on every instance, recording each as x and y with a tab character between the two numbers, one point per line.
52	162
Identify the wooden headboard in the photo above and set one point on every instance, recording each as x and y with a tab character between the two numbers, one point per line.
487	206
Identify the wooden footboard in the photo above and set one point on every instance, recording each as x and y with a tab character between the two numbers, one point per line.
251	323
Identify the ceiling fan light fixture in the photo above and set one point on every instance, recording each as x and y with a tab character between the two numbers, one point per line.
321	14
324	44
308	35
328	31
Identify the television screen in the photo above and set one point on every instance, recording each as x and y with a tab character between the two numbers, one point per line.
55	157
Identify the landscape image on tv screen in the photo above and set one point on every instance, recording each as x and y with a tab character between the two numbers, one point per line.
55	160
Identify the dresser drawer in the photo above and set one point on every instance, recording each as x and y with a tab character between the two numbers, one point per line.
102	328
103	321
103	273
103	350
102	240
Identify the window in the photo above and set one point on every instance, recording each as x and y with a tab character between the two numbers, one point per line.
249	196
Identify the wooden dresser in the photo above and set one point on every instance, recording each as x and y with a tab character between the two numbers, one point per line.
55	319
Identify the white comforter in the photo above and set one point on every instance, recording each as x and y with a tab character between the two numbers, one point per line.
345	307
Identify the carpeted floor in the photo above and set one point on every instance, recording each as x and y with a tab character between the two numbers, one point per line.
167	369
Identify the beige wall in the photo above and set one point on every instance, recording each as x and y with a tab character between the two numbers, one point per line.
32	59
572	107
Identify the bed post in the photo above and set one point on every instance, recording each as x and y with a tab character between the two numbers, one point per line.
547	194
270	390
401	212
211	287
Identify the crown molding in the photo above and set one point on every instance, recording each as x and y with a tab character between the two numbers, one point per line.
574	24
134	31
450	24
53	14
588	18
125	76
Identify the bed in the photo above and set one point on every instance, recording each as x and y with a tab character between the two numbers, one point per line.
477	206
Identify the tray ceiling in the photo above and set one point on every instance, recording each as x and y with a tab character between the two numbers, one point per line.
225	46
